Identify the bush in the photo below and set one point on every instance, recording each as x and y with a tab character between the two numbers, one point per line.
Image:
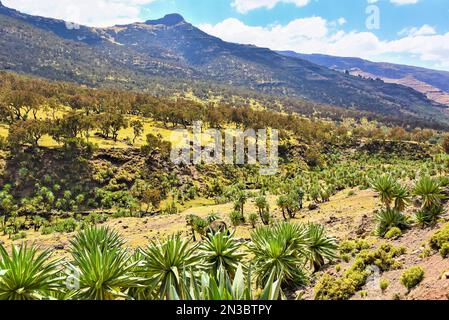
171	208
19	236
444	250
65	226
429	216
440	240
412	277
47	230
333	288
352	247
253	217
390	218
393	233
343	288
384	284
236	218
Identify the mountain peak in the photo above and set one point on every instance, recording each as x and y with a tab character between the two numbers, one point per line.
168	20
1	4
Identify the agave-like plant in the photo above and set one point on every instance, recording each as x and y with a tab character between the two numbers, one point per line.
221	251
429	216
27	274
93	238
321	247
390	218
206	286
278	249
102	268
401	197
167	262
430	192
386	187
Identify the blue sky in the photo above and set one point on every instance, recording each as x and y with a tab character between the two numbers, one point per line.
394	18
402	31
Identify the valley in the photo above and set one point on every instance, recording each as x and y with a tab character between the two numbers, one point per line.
95	206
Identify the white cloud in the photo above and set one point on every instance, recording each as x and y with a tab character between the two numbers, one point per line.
341	21
317	35
244	6
425	30
404	2
99	13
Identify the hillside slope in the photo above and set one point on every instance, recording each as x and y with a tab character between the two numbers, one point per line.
433	83
173	48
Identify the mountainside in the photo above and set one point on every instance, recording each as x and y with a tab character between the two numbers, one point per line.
433	83
172	48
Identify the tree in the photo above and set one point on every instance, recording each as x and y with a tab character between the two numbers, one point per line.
19	104
264	209
71	126
117	122
239	202
111	123
27	132
152	197
156	144
291	203
137	126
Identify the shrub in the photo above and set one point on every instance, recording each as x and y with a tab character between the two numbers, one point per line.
236	218
26	274
384	284
47	230
430	192
429	216
321	247
171	208
343	288
412	277
389	218
65	226
333	288
221	250
168	263
383	257
440	239
352	247
253	217
213	216
19	236
280	249
393	233
444	250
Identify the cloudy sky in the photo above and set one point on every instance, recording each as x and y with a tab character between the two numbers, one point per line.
401	31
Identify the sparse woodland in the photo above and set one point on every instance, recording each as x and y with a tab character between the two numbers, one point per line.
90	166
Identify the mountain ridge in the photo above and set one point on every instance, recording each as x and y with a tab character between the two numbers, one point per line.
390	72
171	47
